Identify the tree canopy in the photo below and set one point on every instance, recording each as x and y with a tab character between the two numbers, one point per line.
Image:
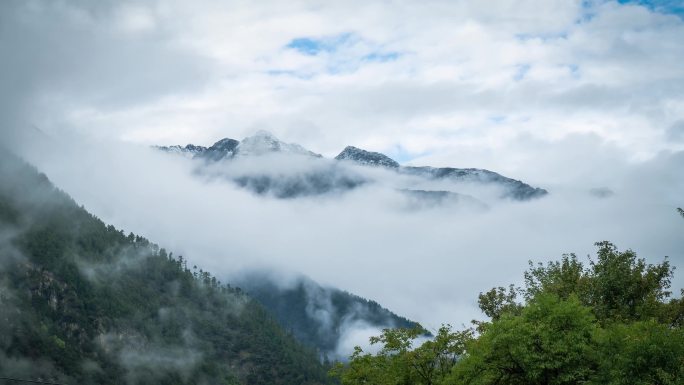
610	321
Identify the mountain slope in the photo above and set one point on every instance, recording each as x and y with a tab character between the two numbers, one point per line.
320	317
512	188
261	143
84	303
366	158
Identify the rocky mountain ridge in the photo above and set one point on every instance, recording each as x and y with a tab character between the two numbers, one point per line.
323	181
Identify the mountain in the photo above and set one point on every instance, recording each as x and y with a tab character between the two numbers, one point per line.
321	317
189	150
315	175
261	143
224	148
84	303
512	188
366	158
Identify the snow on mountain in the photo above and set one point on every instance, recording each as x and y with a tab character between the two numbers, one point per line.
263	142
282	180
367	158
512	188
189	150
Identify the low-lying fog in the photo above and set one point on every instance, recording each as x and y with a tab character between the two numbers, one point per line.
425	264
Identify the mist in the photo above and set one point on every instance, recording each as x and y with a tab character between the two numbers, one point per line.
427	265
583	99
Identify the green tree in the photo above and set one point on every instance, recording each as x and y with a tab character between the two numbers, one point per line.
398	363
640	353
617	285
550	342
499	301
610	322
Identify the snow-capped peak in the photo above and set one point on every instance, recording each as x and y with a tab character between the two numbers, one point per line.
264	142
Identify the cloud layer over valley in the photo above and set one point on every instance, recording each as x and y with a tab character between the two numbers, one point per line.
582	98
428	265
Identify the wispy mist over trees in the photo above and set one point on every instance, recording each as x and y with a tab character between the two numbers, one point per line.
85	303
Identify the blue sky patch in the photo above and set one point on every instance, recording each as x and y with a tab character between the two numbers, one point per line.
342	53
497	119
381	57
542	36
306	46
296	74
313	46
521	72
675	7
402	155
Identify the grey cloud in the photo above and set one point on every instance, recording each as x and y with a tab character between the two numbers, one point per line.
201	69
60	56
675	132
425	265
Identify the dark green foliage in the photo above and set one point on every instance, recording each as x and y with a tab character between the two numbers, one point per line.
401	362
548	343
609	323
617	286
296	307
83	303
498	301
640	353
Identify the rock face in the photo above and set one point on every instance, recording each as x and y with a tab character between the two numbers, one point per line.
189	151
335	176
366	158
513	188
224	148
261	143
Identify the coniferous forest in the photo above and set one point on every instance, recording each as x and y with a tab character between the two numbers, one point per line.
84	303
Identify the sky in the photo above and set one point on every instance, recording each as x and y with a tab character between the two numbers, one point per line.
566	95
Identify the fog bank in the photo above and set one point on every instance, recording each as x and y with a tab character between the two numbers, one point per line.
428	265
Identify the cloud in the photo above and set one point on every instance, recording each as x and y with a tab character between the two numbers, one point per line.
422	76
427	265
676	131
570	95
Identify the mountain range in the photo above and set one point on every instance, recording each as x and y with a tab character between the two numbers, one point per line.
343	173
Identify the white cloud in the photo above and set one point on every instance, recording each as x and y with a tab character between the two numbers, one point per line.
601	95
428	265
600	67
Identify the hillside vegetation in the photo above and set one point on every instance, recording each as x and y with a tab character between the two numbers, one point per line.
84	303
611	322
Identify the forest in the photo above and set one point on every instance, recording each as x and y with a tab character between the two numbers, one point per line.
609	321
84	303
